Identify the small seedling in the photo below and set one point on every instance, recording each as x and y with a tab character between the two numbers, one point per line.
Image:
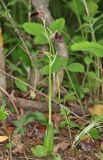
27	118
65	112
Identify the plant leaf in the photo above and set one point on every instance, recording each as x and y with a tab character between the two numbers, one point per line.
77	7
91	47
92	7
41	40
92	75
13	67
3	113
69	96
39	151
58	64
13	2
58	25
87	60
40	117
74	125
94	133
76	67
35	29
64	111
49	138
20	85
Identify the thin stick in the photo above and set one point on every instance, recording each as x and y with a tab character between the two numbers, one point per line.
16	110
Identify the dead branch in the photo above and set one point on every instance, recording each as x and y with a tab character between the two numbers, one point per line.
33	105
30	105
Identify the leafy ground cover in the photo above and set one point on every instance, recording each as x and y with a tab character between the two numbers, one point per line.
51	79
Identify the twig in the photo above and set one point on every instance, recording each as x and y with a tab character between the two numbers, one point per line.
16	110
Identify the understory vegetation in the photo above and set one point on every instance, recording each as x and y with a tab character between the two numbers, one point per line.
51	79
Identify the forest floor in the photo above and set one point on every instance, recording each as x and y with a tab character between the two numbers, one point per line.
86	150
18	147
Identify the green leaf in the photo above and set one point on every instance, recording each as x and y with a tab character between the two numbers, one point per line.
85	90
64	111
39	151
69	96
77	38
4	13
13	2
49	138
3	113
55	156
92	75
35	29
20	85
63	124
10	145
58	25
41	40
20	123
76	67
94	133
91	47
20	55
40	117
87	60
77	7
88	19
14	67
19	128
92	7
74	125
58	64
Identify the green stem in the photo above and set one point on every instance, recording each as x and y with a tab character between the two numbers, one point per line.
30	8
74	89
91	25
94	39
50	74
79	20
50	91
87	70
68	124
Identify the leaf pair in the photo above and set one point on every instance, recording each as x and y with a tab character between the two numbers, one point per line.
40	32
27	118
47	147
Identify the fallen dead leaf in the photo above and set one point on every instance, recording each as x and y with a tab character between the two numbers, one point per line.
9	130
16	138
56	118
19	148
86	146
63	146
3	138
96	109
